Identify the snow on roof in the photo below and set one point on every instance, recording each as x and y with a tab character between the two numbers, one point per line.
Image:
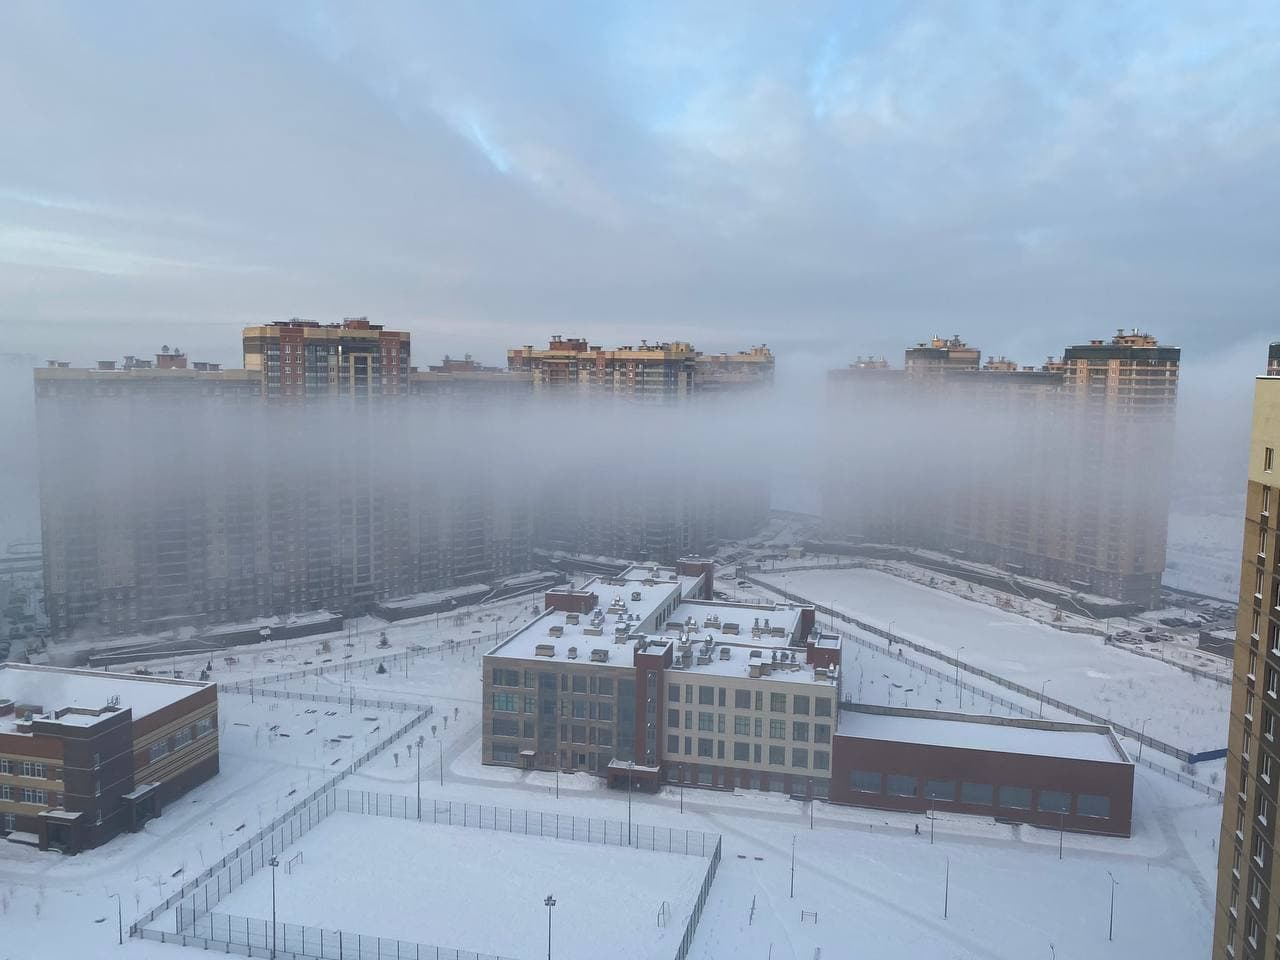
1068	741
52	688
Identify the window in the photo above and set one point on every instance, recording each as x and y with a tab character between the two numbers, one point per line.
1262	542
1264	809
777	729
1273	632
688	745
6	792
1268	724
32	795
507	702
1266	500
578	709
821	760
1250	924
579	683
528	679
705	748
5	766
742	726
800	757
606	686
1015	798
1264	766
604	711
673	693
719	723
900	785
182	738
800	730
777	703
505	678
1273	681
1248	704
10	822
1092	805
1255	889
688	719
688	693
707	696
1268	458
502	727
822	706
1054	801
706	721
777	756
673	719
759	697
31	768
1253	664
742	751
720	696
759	727
504	753
755	753
800	704
203	725
940	790
822	733
578	733
161	747
742	699
719	749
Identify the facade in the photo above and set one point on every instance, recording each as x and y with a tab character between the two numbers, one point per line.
643	676
305	360
1273	360
730	373
177	494
86	755
1247	914
653	373
143	506
1071	776
1057	472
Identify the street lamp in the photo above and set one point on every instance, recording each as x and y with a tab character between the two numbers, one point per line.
1142	736
1042	686
119	920
549	903
1111	922
793	866
959	691
418	757
440	744
631	766
274	863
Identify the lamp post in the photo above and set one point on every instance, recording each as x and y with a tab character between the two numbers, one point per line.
946	890
1042	686
631	766
119	920
793	866
1111	920
549	903
440	744
274	862
1141	736
1062	822
959	691
890	633
418	757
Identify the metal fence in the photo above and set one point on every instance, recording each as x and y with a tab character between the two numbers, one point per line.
686	942
391	659
254	937
1031	694
534	823
286	821
348	701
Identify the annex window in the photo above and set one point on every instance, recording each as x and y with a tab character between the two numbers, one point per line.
742	699
1054	801
161	748
1015	798
821	760
777	729
777	756
900	785
707	696
799	757
1268	458
822	706
800	731
742	751
705	748
1093	805
706	721
1266	501
800	704
502	727
865	781
742	726
777	703
673	719
673	693
673	743
507	702
940	790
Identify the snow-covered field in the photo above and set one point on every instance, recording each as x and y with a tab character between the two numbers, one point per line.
877	887
1203	552
1079	669
477	889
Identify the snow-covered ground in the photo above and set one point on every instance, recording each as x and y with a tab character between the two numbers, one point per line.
1080	669
877	887
477	889
1204	546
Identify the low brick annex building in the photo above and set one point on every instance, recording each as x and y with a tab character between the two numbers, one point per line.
86	755
1070	775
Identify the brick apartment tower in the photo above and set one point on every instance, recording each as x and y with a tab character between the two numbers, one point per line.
1081	500
1247	915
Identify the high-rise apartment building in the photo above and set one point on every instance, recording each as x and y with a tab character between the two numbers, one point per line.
658	373
1057	472
727	373
302	359
1247	914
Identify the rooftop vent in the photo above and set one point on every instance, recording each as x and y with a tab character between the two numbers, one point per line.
573	653
600	655
545	650
725	653
571	618
557	630
636	596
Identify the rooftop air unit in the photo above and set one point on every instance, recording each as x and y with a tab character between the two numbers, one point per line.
573	653
545	650
600	655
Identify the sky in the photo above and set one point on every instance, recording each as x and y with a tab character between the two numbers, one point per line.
831	179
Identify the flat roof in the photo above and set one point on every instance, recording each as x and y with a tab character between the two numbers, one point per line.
628	612
53	688
1028	737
